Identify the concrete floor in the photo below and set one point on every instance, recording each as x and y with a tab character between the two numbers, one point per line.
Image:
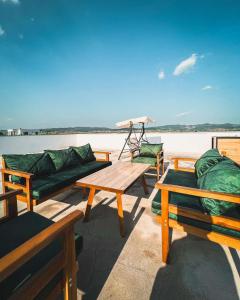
112	267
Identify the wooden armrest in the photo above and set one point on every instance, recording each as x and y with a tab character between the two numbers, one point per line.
16	258
186	159
198	192
102	152
9	195
17	173
107	154
189	159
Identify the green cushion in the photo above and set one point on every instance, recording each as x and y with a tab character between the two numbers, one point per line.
85	153
15	232
186	179
207	161
38	164
63	159
223	177
187	202
42	187
145	160
150	150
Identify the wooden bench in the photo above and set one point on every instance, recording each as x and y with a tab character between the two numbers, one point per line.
36	257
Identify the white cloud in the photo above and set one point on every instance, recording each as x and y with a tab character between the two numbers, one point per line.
207	87
161	75
185	65
182	114
10	1
2	31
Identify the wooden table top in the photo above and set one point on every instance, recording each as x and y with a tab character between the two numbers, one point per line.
115	178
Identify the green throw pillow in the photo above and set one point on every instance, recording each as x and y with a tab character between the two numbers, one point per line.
223	177
85	153
38	164
63	159
150	150
207	161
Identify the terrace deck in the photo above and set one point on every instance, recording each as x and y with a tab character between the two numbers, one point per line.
111	267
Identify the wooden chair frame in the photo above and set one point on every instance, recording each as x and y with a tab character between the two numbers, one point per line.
65	260
159	165
27	188
167	208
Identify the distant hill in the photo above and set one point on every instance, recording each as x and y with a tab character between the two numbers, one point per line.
164	128
198	127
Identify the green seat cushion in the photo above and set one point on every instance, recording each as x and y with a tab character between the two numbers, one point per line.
15	232
223	177
145	160
38	164
186	179
187	202
150	150
42	187
208	160
85	153
63	159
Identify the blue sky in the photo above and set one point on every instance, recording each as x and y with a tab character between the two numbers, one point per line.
93	63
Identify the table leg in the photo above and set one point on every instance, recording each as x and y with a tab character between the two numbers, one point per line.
144	185
89	204
120	214
84	191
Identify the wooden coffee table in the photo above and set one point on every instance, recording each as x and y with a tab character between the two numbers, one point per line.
117	179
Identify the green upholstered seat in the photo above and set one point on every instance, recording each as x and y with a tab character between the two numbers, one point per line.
179	178
145	160
44	186
15	232
188	201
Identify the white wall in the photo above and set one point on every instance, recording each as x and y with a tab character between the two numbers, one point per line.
174	143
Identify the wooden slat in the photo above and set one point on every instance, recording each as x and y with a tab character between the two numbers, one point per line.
116	178
10	194
211	236
15	186
38	281
17	173
198	192
19	256
196	215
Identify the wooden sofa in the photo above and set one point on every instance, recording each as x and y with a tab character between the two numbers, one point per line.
37	189
37	256
176	204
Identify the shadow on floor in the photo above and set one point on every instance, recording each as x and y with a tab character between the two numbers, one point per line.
102	245
197	269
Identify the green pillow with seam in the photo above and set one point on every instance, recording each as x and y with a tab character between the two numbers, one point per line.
208	160
85	153
223	177
63	159
38	164
150	150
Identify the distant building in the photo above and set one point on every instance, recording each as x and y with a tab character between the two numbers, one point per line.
20	131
